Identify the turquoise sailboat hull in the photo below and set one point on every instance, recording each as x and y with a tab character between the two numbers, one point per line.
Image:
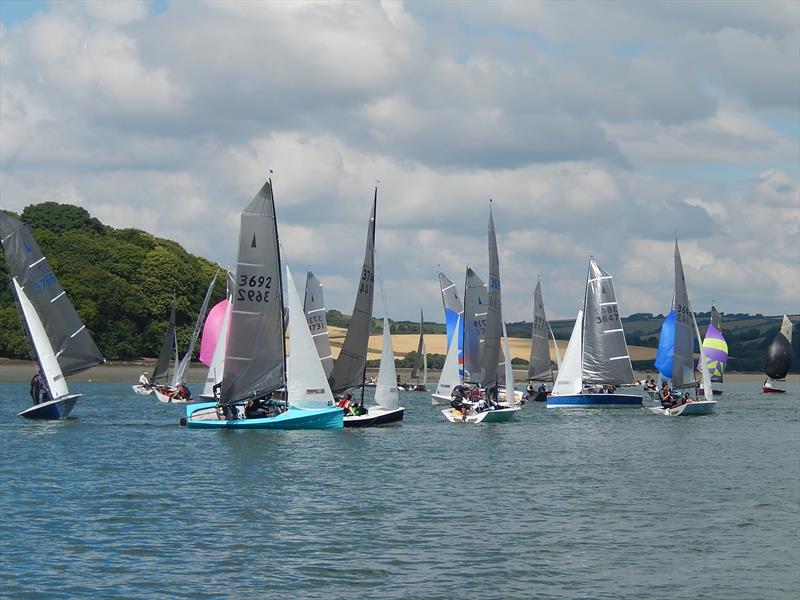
204	416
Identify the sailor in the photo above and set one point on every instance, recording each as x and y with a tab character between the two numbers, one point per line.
36	388
529	390
665	395
491	397
144	381
254	410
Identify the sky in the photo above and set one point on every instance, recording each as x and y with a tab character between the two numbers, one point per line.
599	129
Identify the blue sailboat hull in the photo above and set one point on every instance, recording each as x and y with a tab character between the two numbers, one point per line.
53	409
294	418
595	401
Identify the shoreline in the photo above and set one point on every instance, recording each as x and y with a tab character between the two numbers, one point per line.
129	371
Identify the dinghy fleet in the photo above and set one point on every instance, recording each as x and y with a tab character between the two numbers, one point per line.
255	381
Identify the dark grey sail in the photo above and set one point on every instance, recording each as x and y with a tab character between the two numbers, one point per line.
682	357
255	354
348	369
314	308
490	352
540	368
779	353
716	320
474	325
164	356
73	345
420	345
605	353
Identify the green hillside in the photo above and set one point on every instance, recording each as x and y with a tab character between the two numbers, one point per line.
121	282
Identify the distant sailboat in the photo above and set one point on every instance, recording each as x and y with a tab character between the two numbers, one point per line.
674	358
597	355
217	341
255	362
60	342
540	366
715	349
779	358
420	362
314	307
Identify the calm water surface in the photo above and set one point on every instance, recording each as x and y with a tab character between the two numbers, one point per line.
121	502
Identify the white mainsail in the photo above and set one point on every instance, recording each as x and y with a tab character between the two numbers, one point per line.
307	385
44	350
509	369
450	376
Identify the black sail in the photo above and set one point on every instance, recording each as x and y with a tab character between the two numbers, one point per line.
167	349
255	354
779	357
73	345
348	369
420	345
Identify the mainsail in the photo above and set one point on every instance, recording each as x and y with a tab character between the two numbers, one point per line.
779	353
314	308
420	351
165	355
348	370
74	348
449	377
474	325
180	372
255	356
539	368
453	308
682	357
715	348
605	353
490	353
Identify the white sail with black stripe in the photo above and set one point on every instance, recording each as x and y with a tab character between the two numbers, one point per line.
605	358
314	308
255	354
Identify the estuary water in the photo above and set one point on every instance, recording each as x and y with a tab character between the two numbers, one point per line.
121	502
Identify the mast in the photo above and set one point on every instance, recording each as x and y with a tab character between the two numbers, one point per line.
280	274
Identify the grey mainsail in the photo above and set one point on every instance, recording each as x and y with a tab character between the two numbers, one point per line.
474	325
490	353
348	369
255	354
73	345
314	308
682	357
716	320
605	353
165	355
540	368
420	351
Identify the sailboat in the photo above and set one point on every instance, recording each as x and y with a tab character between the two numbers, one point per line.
489	351
212	347
314	307
674	357
420	363
540	366
715	349
779	358
172	393
61	344
387	409
597	355
453	368
255	362
349	369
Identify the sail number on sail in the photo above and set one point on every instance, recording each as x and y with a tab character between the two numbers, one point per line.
682	313
45	280
608	314
254	288
316	323
367	279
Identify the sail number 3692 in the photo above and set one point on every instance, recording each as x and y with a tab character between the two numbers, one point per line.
254	288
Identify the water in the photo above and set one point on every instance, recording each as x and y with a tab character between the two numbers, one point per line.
121	502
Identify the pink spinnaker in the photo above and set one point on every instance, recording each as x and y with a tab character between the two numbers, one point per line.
211	331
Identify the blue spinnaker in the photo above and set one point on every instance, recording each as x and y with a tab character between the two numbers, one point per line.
666	346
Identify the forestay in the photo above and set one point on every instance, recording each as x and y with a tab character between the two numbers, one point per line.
348	369
254	357
74	348
314	308
605	353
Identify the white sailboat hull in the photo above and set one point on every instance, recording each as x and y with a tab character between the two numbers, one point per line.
701	407
498	415
141	390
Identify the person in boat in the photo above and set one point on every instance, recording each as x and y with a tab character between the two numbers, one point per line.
530	392
182	393
36	388
144	381
650	384
346	403
254	409
665	395
492	397
459	398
